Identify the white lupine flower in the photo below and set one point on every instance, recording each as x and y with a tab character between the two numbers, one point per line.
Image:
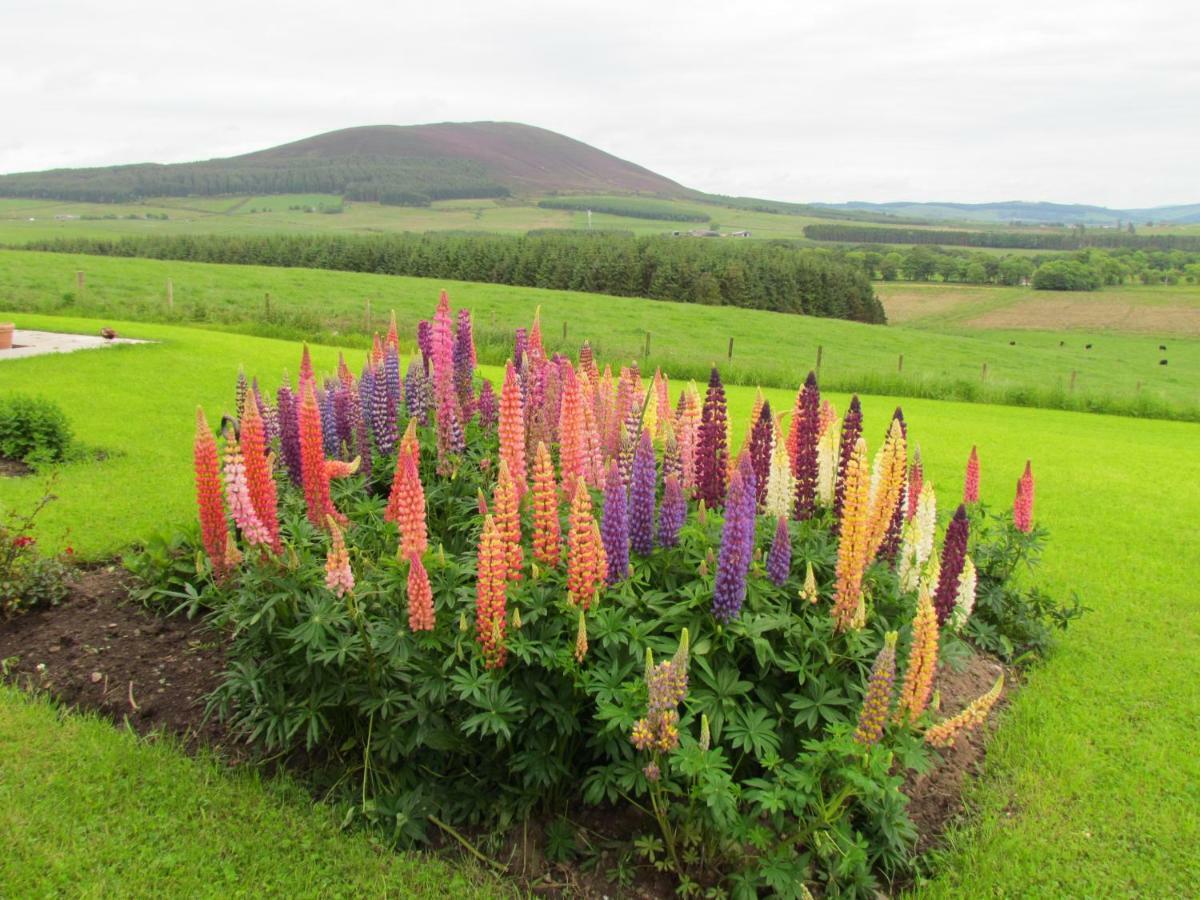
781	484
964	600
828	457
918	534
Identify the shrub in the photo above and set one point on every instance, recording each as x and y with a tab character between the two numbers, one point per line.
28	579
388	614
1065	275
33	429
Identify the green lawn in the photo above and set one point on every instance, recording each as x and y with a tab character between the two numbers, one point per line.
1121	371
1091	784
88	810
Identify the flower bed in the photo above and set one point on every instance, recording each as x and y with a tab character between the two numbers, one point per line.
482	606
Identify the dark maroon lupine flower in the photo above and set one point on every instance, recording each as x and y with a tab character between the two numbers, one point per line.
779	560
642	488
733	562
672	512
425	342
488	406
289	433
761	442
851	432
805	466
712	454
614	525
954	556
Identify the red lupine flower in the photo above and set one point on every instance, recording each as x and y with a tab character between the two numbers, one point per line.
312	461
971	481
1023	504
307	376
954	556
546	529
491	588
258	472
214	528
507	513
420	596
712	453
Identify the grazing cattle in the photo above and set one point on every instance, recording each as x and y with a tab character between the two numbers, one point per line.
1087	346
1012	343
1162	346
1162	362
1062	343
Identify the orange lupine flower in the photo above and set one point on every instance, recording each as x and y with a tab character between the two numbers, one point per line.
887	488
312	461
946	732
662	389
307	376
393	336
546	529
848	608
420	596
214	528
570	433
922	663
410	443
338	576
491	588
512	428
339	468
406	507
258	472
828	416
507	513
581	644
585	567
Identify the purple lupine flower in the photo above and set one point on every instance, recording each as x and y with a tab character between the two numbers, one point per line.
851	432
269	416
614	525
779	560
891	539
360	432
630	429
805	465
289	433
418	393
391	376
383	415
954	556
643	485
366	395
329	435
488	406
749	480
464	363
344	417
520	347
425	343
671	512
712	454
733	562
761	443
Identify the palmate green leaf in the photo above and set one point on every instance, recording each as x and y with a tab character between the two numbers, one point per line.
753	731
819	703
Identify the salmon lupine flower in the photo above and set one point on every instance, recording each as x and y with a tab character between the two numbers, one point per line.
781	485
585	553
393	335
237	492
491	595
712	453
779	560
420	596
828	417
964	600
687	431
546	529
922	663
339	578
947	731
339	468
643	487
587	362
737	546
809	592
662	391
581	644
916	481
828	454
534	347
887	488
406	507
593	454
954	555
307	376
672	512
762	442
971	479
570	437
916	545
877	704
614	527
806	426
312	461
1023	503
410	444
506	510
214	529
258	473
851	432
848	609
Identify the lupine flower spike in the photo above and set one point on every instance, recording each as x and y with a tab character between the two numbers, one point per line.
406	507
946	732
922	663
917	539
491	595
585	554
666	687
779	560
851	431
312	461
642	490
581	643
507	512
237	492
964	600
737	542
258	472
420	596
809	591
214	528
971	481
877	705
848	609
338	576
546	528
806	428
712	453
1023	504
954	555
615	525
671	512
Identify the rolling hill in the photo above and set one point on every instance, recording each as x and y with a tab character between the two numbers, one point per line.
1018	211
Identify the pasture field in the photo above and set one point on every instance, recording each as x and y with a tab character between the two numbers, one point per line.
1090	785
1120	374
90	810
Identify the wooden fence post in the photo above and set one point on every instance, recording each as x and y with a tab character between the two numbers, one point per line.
564	331
1073	373
79	279
367	317
983	372
731	348
820	353
170	295
900	364
646	352
267	305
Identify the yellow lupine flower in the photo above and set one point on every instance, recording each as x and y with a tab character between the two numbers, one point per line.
828	452
946	732
922	662
848	609
887	485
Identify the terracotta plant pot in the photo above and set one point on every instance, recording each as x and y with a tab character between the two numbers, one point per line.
6	334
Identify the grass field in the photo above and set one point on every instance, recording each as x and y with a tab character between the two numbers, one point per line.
1091	785
88	810
1120	373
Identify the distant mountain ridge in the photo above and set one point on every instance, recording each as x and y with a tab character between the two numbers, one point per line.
1013	211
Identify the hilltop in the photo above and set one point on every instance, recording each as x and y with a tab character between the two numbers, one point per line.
1011	212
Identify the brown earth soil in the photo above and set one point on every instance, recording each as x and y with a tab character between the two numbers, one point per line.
13	468
1132	315
100	651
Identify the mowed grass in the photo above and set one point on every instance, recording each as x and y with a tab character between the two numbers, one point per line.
768	348
88	810
1091	785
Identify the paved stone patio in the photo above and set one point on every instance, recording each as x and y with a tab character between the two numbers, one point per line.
35	343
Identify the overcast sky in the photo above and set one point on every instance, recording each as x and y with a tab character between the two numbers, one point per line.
1084	101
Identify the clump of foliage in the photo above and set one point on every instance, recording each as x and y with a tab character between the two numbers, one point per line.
27	578
33	429
633	207
1065	275
475	608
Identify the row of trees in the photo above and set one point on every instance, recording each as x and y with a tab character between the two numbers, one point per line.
1076	239
633	207
759	275
356	178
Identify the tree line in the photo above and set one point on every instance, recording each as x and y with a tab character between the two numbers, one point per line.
774	276
1078	238
633	207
